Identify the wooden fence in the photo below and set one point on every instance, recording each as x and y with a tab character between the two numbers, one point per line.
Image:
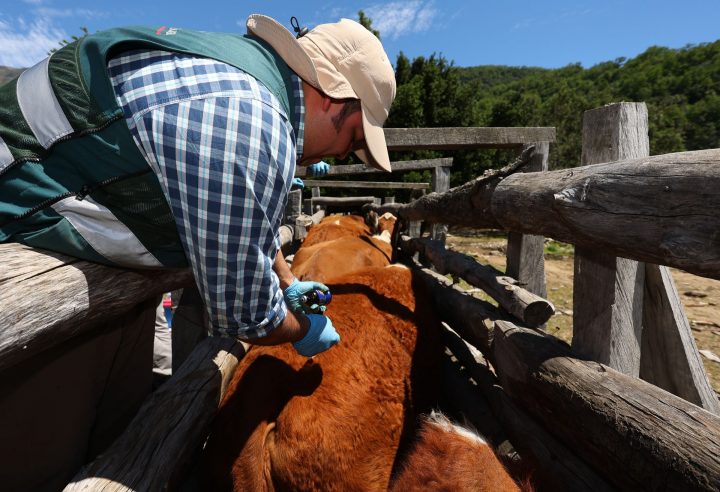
581	414
595	399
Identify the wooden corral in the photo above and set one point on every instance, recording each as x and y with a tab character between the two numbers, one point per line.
626	407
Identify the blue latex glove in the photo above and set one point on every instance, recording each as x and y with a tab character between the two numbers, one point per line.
318	169
294	292
320	337
297	183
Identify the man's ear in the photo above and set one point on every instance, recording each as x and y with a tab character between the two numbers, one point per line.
326	103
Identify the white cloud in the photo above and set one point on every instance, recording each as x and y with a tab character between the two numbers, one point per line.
396	19
23	44
46	12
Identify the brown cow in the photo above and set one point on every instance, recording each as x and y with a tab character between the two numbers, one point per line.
336	226
342	244
337	421
449	457
344	419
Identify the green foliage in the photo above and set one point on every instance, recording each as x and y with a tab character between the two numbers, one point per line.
554	248
680	86
74	38
365	21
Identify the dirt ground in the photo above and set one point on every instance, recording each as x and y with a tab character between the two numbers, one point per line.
700	296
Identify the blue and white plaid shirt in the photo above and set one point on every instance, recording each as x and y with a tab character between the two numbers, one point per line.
224	151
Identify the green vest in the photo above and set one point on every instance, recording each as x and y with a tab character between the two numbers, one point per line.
71	178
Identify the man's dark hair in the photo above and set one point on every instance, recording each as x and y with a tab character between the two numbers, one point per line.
351	106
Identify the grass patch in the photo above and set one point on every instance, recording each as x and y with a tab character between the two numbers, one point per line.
555	248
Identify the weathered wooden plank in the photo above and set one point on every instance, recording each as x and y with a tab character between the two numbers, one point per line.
638	436
471	317
440	184
467	204
342	201
318	216
526	252
170	426
556	466
293	207
465	398
286	234
607	310
71	401
608	291
465	138
81	295
302	223
399	166
380	185
657	209
669	356
191	325
524	305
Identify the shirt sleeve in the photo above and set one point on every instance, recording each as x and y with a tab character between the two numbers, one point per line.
226	165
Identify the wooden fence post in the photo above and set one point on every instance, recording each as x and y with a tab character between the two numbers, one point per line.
440	184
293	207
525	260
190	326
669	357
608	291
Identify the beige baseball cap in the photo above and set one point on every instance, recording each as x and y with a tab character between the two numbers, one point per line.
343	60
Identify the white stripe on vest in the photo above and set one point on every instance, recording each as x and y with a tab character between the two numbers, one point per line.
6	157
39	105
105	233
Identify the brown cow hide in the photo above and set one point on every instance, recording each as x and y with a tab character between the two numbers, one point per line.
323	261
341	420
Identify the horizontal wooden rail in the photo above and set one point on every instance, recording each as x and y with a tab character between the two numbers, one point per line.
399	166
170	426
533	310
455	138
342	201
556	467
659	209
47	298
380	185
638	436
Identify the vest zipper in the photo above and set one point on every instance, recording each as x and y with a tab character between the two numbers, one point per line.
80	195
80	133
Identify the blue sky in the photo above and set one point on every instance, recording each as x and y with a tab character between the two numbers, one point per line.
482	32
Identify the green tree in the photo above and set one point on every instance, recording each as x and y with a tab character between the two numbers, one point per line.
73	38
366	22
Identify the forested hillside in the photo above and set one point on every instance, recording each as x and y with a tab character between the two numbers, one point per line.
7	73
680	86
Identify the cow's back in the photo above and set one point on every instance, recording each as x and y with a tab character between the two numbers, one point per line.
334	227
323	261
335	422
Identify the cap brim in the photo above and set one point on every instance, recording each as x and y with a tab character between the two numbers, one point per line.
285	44
375	154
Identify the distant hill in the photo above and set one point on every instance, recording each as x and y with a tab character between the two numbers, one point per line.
681	88
491	75
7	73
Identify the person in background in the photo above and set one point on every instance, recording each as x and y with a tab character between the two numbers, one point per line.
167	304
